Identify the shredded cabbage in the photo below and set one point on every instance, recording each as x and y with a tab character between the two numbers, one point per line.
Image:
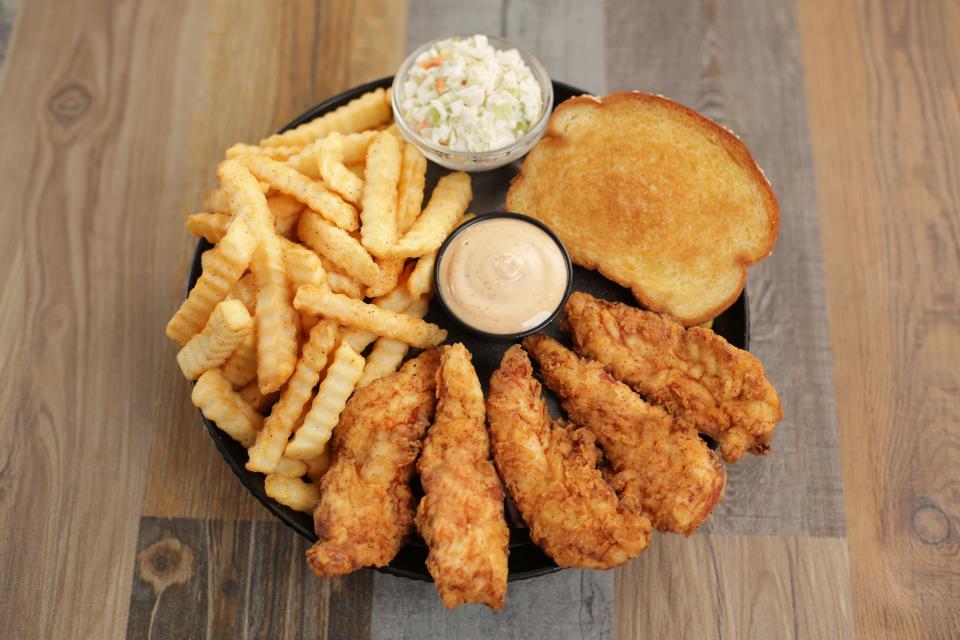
466	95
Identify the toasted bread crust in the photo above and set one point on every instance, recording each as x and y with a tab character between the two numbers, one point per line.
524	198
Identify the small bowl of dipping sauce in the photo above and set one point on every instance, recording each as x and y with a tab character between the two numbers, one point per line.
503	275
472	103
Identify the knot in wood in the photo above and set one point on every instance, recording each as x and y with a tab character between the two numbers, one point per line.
70	103
165	563
931	524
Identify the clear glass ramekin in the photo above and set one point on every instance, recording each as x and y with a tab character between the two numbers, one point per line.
476	160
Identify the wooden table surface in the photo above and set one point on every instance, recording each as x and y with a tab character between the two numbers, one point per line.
119	518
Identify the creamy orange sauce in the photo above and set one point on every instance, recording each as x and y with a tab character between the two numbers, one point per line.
502	275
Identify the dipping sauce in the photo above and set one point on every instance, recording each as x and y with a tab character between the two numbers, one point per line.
503	276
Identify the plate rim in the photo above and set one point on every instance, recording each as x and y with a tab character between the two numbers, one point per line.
247	478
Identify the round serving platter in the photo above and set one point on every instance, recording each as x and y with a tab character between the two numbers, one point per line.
526	560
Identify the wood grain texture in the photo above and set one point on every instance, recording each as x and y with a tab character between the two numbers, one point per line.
740	63
8	12
746	587
883	92
545	27
569	605
238	579
82	359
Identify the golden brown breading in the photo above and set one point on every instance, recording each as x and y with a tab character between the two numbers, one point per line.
461	514
660	468
696	375
551	472
366	506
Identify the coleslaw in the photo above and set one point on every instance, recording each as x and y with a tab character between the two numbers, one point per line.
466	95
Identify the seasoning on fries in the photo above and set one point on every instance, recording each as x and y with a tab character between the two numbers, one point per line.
369	317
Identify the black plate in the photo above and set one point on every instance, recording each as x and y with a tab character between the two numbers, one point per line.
489	190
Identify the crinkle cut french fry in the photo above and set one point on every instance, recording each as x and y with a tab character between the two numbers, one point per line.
447	204
413	174
229	324
310	192
369	317
218	402
387	355
277	323
342	375
318	466
241	367
292	492
308	321
358	339
302	265
205	259
252	396
335	175
229	260
272	439
213	226
366	112
290	468
286	213
216	202
393	130
354	151
338	246
210	226
247	202
378	231
358	169
354	147
274	153
341	282
390	271
397	300
420	281
307	162
246	292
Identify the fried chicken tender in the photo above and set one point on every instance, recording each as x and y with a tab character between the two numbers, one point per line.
696	375
461	514
660	468
551	472
366	505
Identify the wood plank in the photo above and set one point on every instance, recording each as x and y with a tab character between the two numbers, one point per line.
728	586
430	19
8	12
238	579
83	308
740	64
569	605
545	28
882	88
282	45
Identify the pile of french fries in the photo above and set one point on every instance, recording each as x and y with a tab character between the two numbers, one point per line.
317	285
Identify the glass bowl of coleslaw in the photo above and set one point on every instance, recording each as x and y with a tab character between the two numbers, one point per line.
472	103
